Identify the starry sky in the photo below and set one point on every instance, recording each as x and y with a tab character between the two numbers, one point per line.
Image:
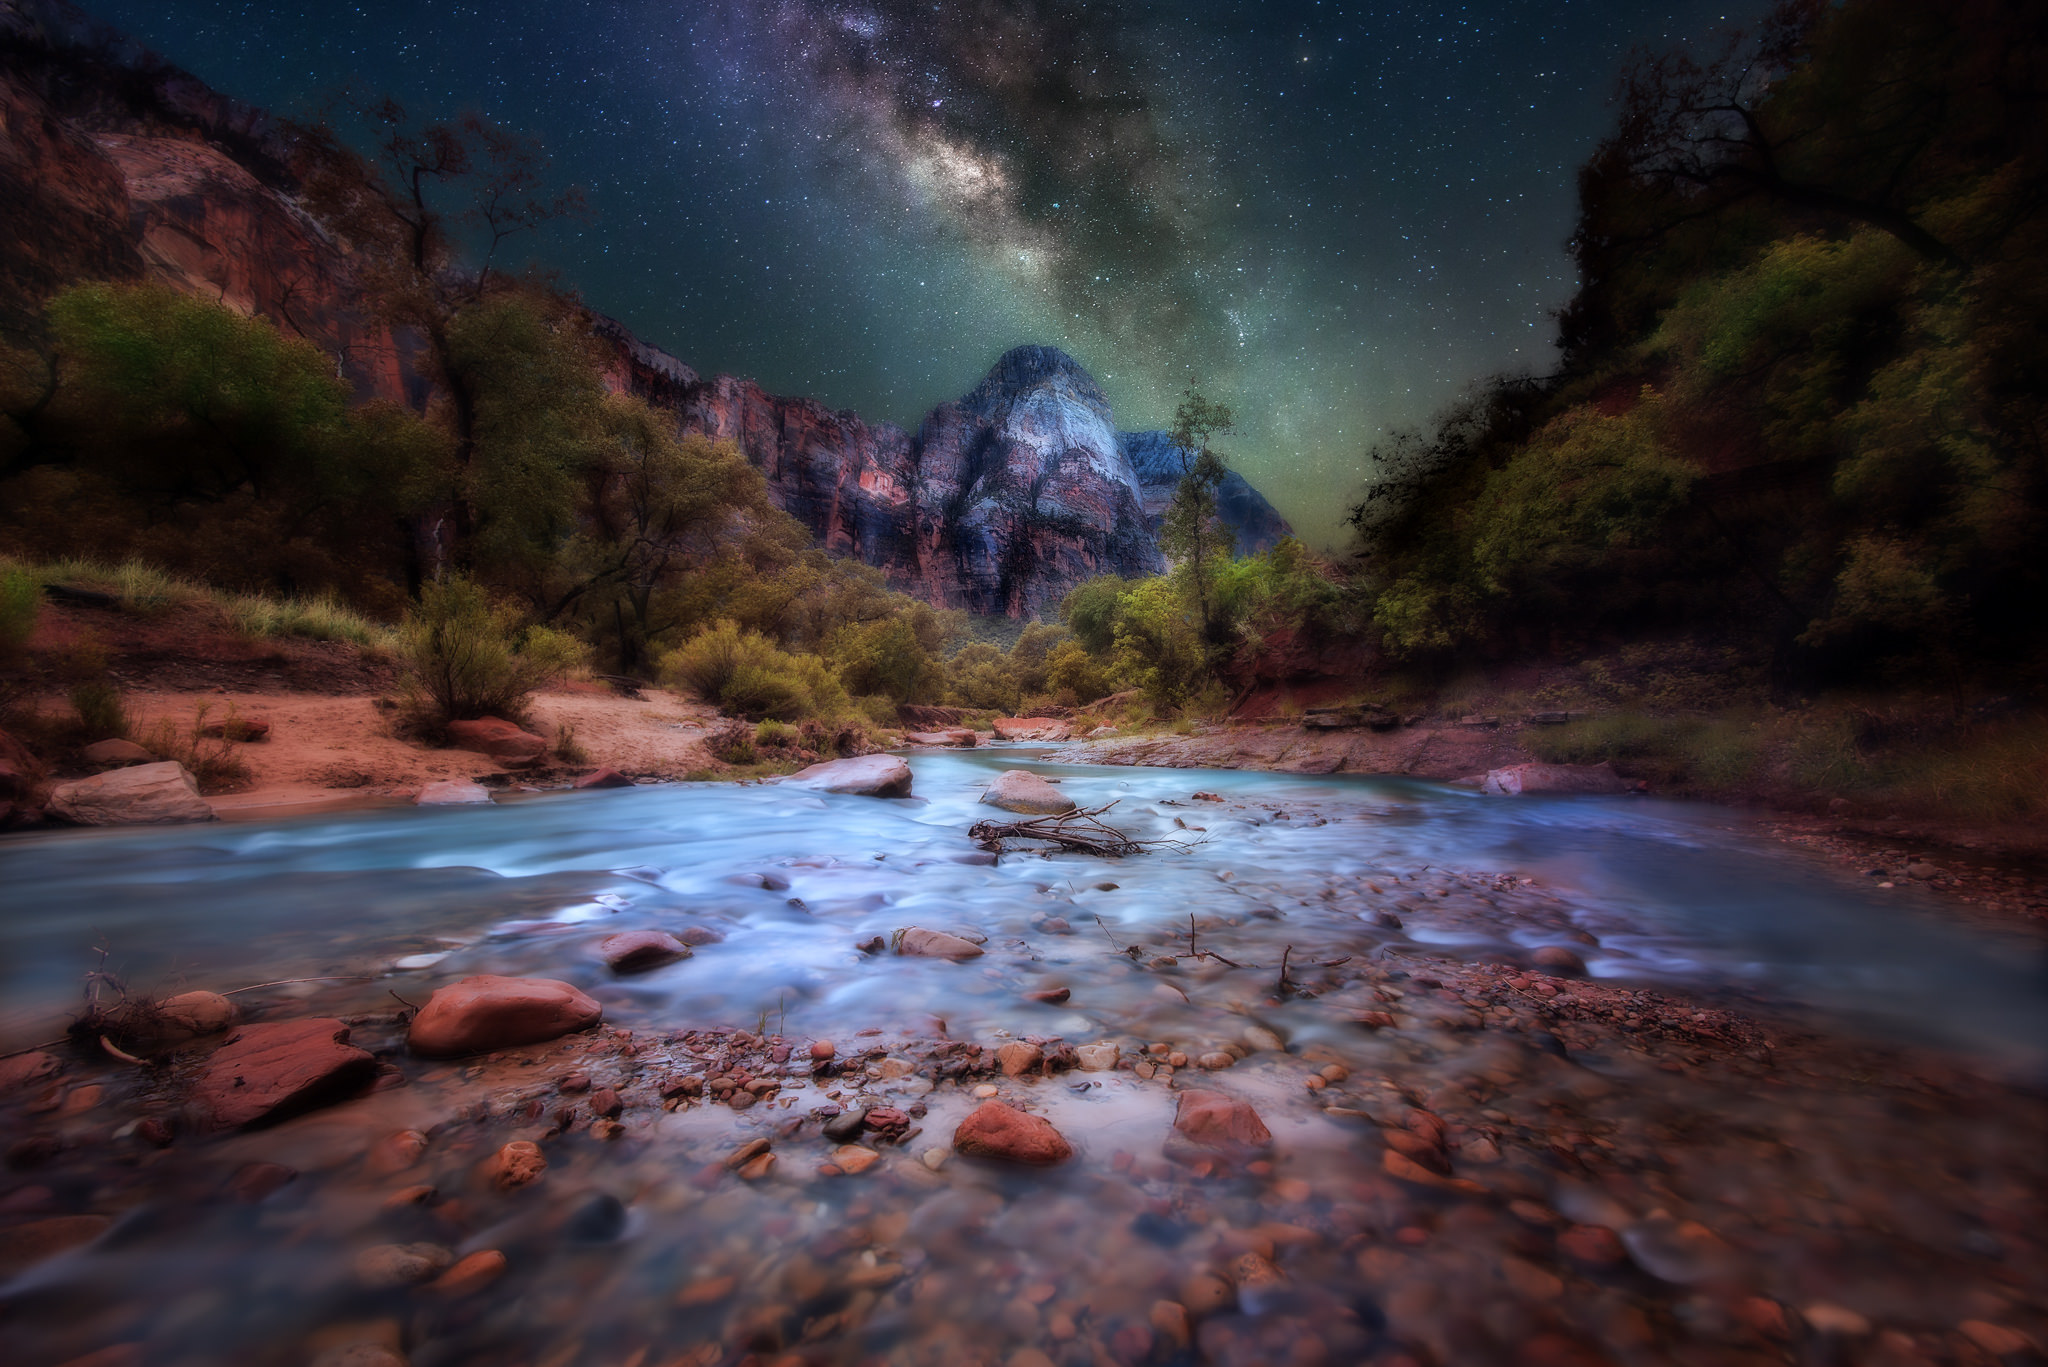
1332	216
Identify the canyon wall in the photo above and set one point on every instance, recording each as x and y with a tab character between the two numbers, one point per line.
117	166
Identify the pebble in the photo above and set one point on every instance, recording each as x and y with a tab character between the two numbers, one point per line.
471	1274
853	1160
1825	1317
1216	1061
822	1051
747	1153
520	1163
1169	1319
1205	1293
759	1168
993	1130
1098	1058
382	1267
1050	996
1017	1058
1592	1246
934	1158
985	1091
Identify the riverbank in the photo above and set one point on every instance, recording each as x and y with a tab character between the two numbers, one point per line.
1435	1140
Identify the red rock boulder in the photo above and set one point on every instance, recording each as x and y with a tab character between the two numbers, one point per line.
1219	1123
604	778
499	739
269	1072
994	1130
487	1012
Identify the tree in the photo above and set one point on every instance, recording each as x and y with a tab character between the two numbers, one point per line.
1191	533
429	190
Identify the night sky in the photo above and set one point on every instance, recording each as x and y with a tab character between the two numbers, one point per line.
1331	216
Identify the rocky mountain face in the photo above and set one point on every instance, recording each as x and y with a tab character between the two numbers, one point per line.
117	166
1255	523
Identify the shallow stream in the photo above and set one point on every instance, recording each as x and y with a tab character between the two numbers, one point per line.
1713	1094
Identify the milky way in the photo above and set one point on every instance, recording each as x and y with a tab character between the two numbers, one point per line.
1332	217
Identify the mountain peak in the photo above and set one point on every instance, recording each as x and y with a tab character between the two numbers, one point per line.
1024	368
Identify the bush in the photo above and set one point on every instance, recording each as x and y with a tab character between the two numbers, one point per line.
212	761
101	714
777	735
745	673
465	658
731	743
21	599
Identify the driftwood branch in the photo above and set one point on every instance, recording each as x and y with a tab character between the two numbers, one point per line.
1078	830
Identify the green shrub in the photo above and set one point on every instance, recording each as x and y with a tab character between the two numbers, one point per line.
21	599
777	735
745	673
466	658
101	713
731	743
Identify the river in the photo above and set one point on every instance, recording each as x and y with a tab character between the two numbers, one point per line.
1743	1092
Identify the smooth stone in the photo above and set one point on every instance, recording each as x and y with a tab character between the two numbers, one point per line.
268	1072
1098	1058
916	942
1019	790
384	1267
198	1013
864	776
115	753
518	1164
993	1130
487	1012
470	1274
452	792
1218	1121
1216	1060
155	794
500	740
853	1160
1018	1058
1558	959
636	951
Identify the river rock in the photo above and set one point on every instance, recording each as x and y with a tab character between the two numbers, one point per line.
499	739
487	1012
993	1130
1519	779
853	1159
268	1072
934	944
1098	1058
864	776
198	1013
24	1069
1018	1058
604	778
156	794
384	1267
636	951
1018	790
115	753
1558	959
518	1164
1218	1122
452	792
961	739
471	1274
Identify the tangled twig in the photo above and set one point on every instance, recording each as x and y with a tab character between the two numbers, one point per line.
1078	830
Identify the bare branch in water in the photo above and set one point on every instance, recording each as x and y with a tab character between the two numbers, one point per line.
1078	831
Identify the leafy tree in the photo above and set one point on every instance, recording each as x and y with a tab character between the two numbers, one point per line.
431	193
1191	533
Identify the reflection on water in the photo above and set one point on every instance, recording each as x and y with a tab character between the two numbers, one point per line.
1511	1166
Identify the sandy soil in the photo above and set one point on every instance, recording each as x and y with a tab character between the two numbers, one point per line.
326	750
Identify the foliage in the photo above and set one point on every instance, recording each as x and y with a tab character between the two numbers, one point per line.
172	429
21	602
466	657
213	761
100	710
1804	372
745	673
895	657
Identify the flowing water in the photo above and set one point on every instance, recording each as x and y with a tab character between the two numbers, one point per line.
1646	1101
